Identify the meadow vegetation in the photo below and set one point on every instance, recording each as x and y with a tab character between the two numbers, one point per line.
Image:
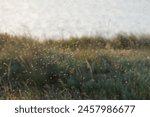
77	68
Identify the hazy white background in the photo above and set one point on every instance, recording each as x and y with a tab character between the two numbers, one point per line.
57	18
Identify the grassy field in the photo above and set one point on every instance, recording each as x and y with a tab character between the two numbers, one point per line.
78	68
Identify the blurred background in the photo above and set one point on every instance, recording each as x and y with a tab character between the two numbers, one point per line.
65	18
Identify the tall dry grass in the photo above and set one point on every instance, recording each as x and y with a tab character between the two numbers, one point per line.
78	68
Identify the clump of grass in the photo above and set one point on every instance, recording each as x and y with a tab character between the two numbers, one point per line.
124	41
79	68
